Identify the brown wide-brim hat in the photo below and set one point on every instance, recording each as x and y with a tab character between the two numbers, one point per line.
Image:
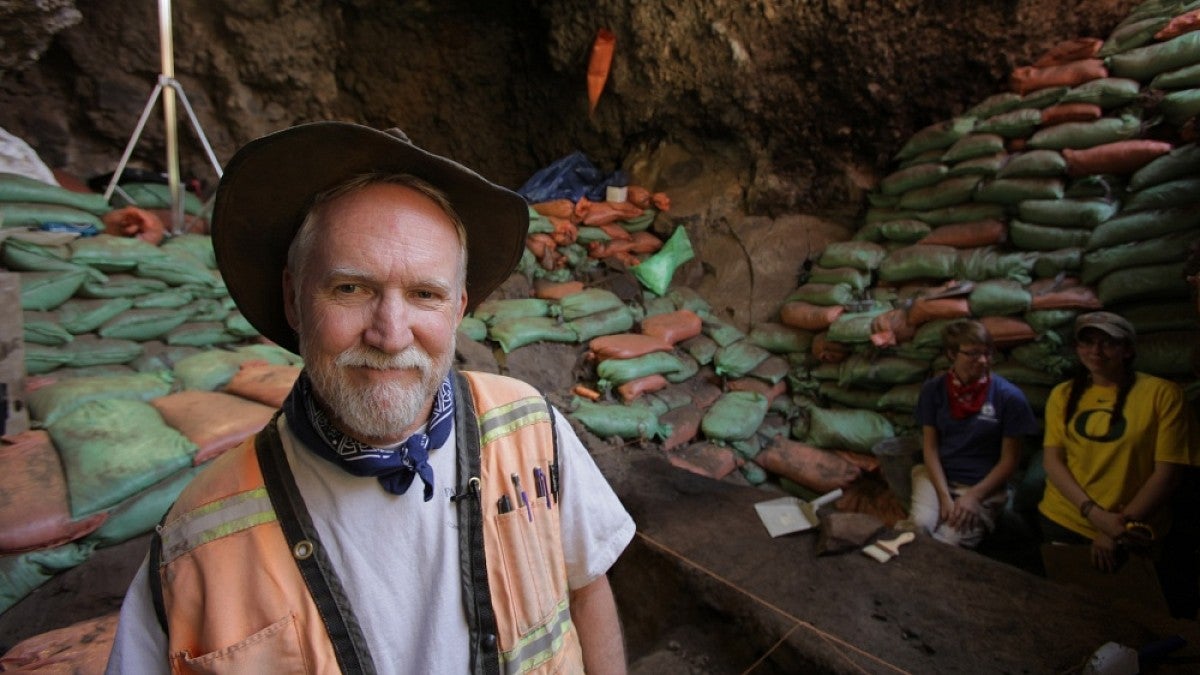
270	184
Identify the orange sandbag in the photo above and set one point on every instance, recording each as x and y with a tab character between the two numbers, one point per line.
1031	78
565	233
1121	157
673	327
685	425
35	511
638	196
865	463
616	232
1069	51
807	316
705	459
1067	293
626	346
599	65
891	328
827	351
1184	23
814	468
538	243
215	422
1071	112
609	249
645	242
754	384
263	382
1007	331
642	385
603	213
134	222
925	309
552	290
661	201
557	208
968	235
79	649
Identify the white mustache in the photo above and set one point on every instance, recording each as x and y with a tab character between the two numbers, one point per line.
369	358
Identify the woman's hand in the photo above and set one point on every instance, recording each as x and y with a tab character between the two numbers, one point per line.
1104	552
965	511
1109	523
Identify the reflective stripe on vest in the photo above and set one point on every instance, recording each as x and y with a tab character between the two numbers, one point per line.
215	520
540	645
506	419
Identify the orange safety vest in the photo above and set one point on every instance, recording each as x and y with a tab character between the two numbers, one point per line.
244	585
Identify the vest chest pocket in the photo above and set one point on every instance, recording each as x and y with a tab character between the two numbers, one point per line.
531	557
274	649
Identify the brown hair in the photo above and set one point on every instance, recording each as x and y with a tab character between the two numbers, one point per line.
956	334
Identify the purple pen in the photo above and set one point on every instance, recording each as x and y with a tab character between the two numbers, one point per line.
516	481
543	489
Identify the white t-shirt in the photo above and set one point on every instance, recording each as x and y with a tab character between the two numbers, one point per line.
398	560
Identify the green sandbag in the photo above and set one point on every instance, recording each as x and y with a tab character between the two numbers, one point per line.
994	105
851	397
689	299
18	188
1166	354
203	309
981	264
212	290
919	176
1030	237
42	359
900	398
142	512
1106	92
171	299
984	167
1043	98
517	332
33	215
1034	164
1180	106
1144	63
1021	374
42	329
1063	261
1047	353
856	279
177	270
778	338
854	430
902	231
1187	77
50	403
473	328
1042	320
1067	212
971	146
936	136
120	286
628	422
1132	34
701	348
25	256
688	367
919	262
201	334
738	358
860	255
735	416
1017	123
1148	282
721	331
999	297
929	156
929	335
1010	191
1080	135
825	295
1169	194
861	370
45	291
853	327
538	224
112	449
1182	162
619	371
89	350
585	302
144	324
496	310
210	370
155	196
272	354
84	316
238	326
588	234
656	272
1096	186
1143	225
1157	317
961	213
198	246
772	370
605	322
639	223
948	192
22	573
114	254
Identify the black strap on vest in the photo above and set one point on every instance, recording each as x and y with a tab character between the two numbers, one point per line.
154	576
477	596
349	645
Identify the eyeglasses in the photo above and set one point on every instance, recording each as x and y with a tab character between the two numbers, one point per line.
976	353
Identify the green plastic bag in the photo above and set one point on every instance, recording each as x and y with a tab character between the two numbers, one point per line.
846	429
47	290
50	403
735	416
656	272
112	449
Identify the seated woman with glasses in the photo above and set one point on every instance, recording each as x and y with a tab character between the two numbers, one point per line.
972	424
1116	447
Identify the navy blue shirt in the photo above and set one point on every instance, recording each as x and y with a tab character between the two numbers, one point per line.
970	448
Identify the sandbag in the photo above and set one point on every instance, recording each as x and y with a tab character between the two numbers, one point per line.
994	105
962	213
829	352
1010	191
1169	194
684	423
1119	157
1061	294
1080	135
198	246
1160	281
854	327
1043	320
857	280
42	328
1142	225
967	235
1062	261
1156	317
139	514
1067	212
634	389
823	294
1166	354
780	338
25	256
936	136
1144	63
114	254
924	310
18	188
705	459
1034	164
21	574
735	416
1021	374
880	370
157	196
918	262
850	397
984	167
1032	237
738	358
656	272
901	231
619	371
144	324
35	512
213	421
265	383
626	346
496	310
607	322
808	316
50	403
174	298
999	297
177	269
856	430
1026	79
1180	162
813	468
901	398
701	348
1105	92
1013	124
628	422
33	215
1071	112
1007	331
200	334
588	301
113	448
1131	34
860	255
721	331
673	327
210	370
911	178
949	192
80	649
45	291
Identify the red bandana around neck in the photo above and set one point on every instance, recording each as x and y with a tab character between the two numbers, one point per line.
966	399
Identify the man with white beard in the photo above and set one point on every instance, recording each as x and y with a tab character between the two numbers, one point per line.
304	550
